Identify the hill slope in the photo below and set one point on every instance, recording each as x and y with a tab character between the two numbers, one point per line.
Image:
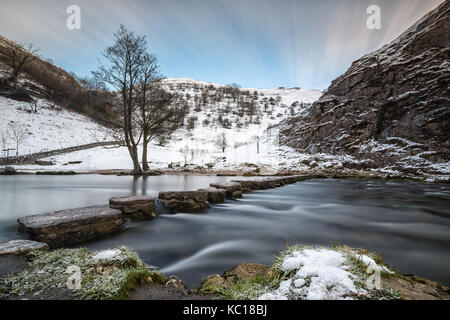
391	109
221	129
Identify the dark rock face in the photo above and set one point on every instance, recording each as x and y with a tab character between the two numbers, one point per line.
135	208
233	189
215	195
392	107
185	201
71	226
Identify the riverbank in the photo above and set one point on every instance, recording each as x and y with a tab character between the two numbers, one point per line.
376	214
312	173
298	273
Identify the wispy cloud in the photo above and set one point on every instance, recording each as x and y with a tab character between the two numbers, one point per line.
257	43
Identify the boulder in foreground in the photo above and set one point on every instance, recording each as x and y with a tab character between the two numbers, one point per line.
71	226
185	201
135	208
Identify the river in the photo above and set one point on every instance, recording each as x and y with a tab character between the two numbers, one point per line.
407	223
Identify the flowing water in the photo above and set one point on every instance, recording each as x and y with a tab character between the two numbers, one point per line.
407	223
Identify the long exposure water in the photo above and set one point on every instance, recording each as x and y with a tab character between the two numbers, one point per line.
407	223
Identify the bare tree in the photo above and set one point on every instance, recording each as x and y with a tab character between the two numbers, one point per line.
4	140
124	63
18	134
222	142
146	108
19	55
158	118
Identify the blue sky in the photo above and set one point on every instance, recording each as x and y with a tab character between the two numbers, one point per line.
255	43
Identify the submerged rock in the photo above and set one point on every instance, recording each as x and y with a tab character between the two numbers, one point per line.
185	201
71	226
135	208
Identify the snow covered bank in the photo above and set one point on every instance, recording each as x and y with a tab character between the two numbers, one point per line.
319	273
325	274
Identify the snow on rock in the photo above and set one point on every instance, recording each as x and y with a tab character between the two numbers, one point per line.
320	274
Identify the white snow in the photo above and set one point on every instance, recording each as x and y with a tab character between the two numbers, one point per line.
111	254
320	274
50	128
53	129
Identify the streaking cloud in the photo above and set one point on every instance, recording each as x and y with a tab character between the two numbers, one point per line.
256	43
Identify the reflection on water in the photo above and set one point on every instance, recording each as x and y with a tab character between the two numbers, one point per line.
407	223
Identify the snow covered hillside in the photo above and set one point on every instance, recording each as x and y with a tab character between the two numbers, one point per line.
225	128
48	127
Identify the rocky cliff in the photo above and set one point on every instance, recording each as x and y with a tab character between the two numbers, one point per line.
391	108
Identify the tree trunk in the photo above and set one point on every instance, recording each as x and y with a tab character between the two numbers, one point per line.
136	165
144	153
132	150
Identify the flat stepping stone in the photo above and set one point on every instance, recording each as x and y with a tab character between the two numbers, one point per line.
249	185
21	246
136	207
215	195
273	182
289	179
233	189
185	201
71	226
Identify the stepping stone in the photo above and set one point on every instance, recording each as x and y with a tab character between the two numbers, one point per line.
215	195
233	189
249	185
21	246
289	179
71	226
135	208
185	201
